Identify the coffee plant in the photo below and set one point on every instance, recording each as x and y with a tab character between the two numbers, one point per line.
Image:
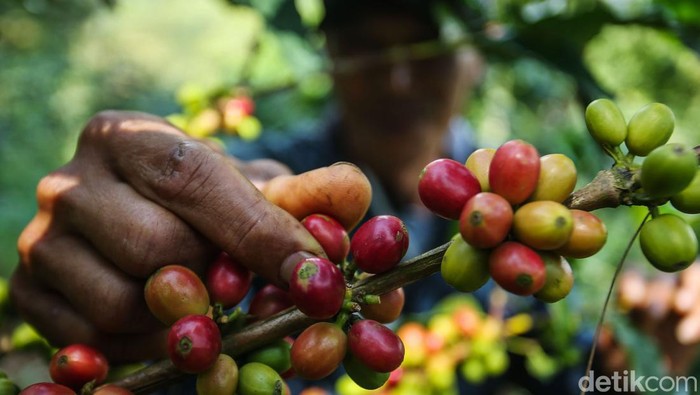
519	221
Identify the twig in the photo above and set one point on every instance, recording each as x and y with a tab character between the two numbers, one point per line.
599	326
163	373
610	188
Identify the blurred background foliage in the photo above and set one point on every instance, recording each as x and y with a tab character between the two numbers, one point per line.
63	60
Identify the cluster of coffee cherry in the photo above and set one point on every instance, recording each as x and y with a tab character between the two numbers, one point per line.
668	172
350	330
206	114
513	226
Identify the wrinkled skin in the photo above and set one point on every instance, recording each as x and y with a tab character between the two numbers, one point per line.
139	195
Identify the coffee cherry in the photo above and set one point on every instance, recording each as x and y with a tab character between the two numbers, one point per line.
587	237
317	288
557	178
275	355
375	346
227	281
517	268
669	243
668	170
649	128
175	291
379	244
194	343
220	379
269	300
318	350
464	267
330	234
78	364
478	163
688	200
47	389
388	309
543	225
514	171
559	279
255	378
605	122
363	375
445	186
485	220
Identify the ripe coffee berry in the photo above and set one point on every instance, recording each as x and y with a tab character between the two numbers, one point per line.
379	244
227	281
445	186
330	234
517	268
78	364
194	343
375	345
317	288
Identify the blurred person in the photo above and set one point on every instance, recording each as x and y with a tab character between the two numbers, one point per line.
139	194
392	116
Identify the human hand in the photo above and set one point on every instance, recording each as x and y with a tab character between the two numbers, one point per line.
139	195
666	308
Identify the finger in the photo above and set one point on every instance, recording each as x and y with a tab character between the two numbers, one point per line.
688	329
649	313
260	171
51	315
341	191
204	189
688	293
110	299
136	234
660	297
631	291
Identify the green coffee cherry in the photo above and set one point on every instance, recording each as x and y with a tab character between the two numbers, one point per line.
649	128
669	243
559	280
668	170
464	267
605	122
275	355
255	378
7	387
688	200
362	375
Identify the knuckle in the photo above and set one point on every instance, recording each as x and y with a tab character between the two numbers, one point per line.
127	309
57	189
184	175
155	242
98	125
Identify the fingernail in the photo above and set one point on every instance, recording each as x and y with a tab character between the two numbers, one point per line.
344	163
290	263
